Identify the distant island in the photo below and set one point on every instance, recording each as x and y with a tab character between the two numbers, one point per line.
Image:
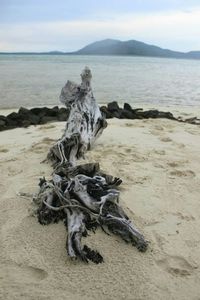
124	48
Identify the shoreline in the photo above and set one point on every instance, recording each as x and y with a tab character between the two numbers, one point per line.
185	110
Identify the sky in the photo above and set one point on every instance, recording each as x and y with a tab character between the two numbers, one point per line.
68	25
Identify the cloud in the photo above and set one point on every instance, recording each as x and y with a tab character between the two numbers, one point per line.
175	30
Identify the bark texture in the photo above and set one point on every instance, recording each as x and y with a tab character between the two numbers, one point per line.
82	195
85	122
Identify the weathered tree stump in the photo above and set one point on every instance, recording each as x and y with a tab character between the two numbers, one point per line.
82	195
85	122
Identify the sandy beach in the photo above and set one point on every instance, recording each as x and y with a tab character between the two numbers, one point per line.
158	161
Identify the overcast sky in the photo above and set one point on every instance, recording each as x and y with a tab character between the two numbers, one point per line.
67	25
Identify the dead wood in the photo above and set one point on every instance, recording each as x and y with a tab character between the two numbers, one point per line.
82	195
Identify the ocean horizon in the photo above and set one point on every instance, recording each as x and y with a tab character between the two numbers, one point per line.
36	80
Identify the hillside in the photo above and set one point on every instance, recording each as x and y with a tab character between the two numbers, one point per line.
132	47
117	47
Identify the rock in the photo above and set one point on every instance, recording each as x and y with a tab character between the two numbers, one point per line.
137	109
167	115
47	119
127	107
127	114
150	114
24	111
2	123
13	116
41	111
42	115
63	114
27	117
113	106
34	119
13	120
53	112
117	113
106	112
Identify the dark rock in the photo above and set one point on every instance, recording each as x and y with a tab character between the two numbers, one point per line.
127	114
2	123
150	114
53	112
41	111
13	120
26	123
106	112
13	116
167	115
113	106
24	111
34	119
47	119
63	114
127	107
27	117
117	113
38	110
137	109
2	118
62	117
42	115
63	110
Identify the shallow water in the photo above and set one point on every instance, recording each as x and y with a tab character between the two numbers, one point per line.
32	80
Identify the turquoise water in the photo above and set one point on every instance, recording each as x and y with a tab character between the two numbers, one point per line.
32	80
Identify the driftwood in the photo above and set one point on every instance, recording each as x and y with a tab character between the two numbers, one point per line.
82	195
85	122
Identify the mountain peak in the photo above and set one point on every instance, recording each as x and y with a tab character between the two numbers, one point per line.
132	47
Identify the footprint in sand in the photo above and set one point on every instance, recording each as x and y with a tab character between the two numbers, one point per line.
159	166
156	130
158	127
46	127
48	141
192	244
165	139
11	171
178	145
128	150
160	152
141	180
174	164
184	217
40	147
184	173
135	124
176	266
134	157
193	132
20	272
4	150
160	240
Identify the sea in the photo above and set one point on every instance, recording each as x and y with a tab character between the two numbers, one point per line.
36	80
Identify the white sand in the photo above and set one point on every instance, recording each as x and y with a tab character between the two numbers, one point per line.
159	163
